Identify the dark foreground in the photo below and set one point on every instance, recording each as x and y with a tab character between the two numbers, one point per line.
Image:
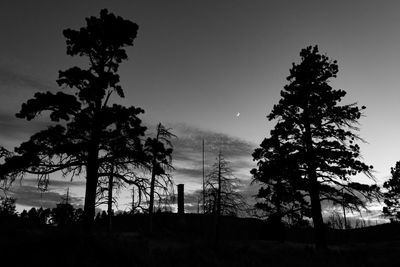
190	241
66	248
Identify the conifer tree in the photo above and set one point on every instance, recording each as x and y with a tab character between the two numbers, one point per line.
321	136
88	132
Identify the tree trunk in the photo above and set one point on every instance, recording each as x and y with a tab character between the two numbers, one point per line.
91	187
110	199
92	168
152	182
151	204
344	212
279	216
316	211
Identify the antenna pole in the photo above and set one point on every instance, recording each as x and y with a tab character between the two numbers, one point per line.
68	195
204	189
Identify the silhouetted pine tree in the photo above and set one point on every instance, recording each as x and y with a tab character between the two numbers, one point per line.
88	133
320	135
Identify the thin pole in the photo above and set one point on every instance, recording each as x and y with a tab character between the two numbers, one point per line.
133	199
344	211
204	189
110	198
67	196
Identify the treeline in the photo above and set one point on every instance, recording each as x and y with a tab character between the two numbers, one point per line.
64	214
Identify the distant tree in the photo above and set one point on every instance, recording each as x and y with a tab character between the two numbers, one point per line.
7	208
32	216
36	217
322	136
159	151
64	214
392	194
222	194
88	133
44	216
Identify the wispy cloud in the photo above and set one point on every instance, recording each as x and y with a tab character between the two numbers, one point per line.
54	184
13	80
16	87
188	153
190	138
27	195
13	128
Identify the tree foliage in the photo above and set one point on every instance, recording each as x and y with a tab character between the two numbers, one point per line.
320	135
392	194
65	214
6	178
88	132
7	208
281	195
36	217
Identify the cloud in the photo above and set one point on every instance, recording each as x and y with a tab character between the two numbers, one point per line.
10	80
54	184
16	87
13	128
187	155
189	174
30	196
247	190
189	143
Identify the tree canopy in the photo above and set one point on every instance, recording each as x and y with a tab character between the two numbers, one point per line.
319	135
392	194
87	131
281	195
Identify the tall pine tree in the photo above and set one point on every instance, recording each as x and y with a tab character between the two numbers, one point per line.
320	135
88	132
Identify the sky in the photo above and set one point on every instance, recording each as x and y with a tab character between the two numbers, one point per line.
195	65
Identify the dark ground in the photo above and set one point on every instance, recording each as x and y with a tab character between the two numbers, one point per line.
243	243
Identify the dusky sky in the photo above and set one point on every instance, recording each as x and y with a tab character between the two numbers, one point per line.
196	64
